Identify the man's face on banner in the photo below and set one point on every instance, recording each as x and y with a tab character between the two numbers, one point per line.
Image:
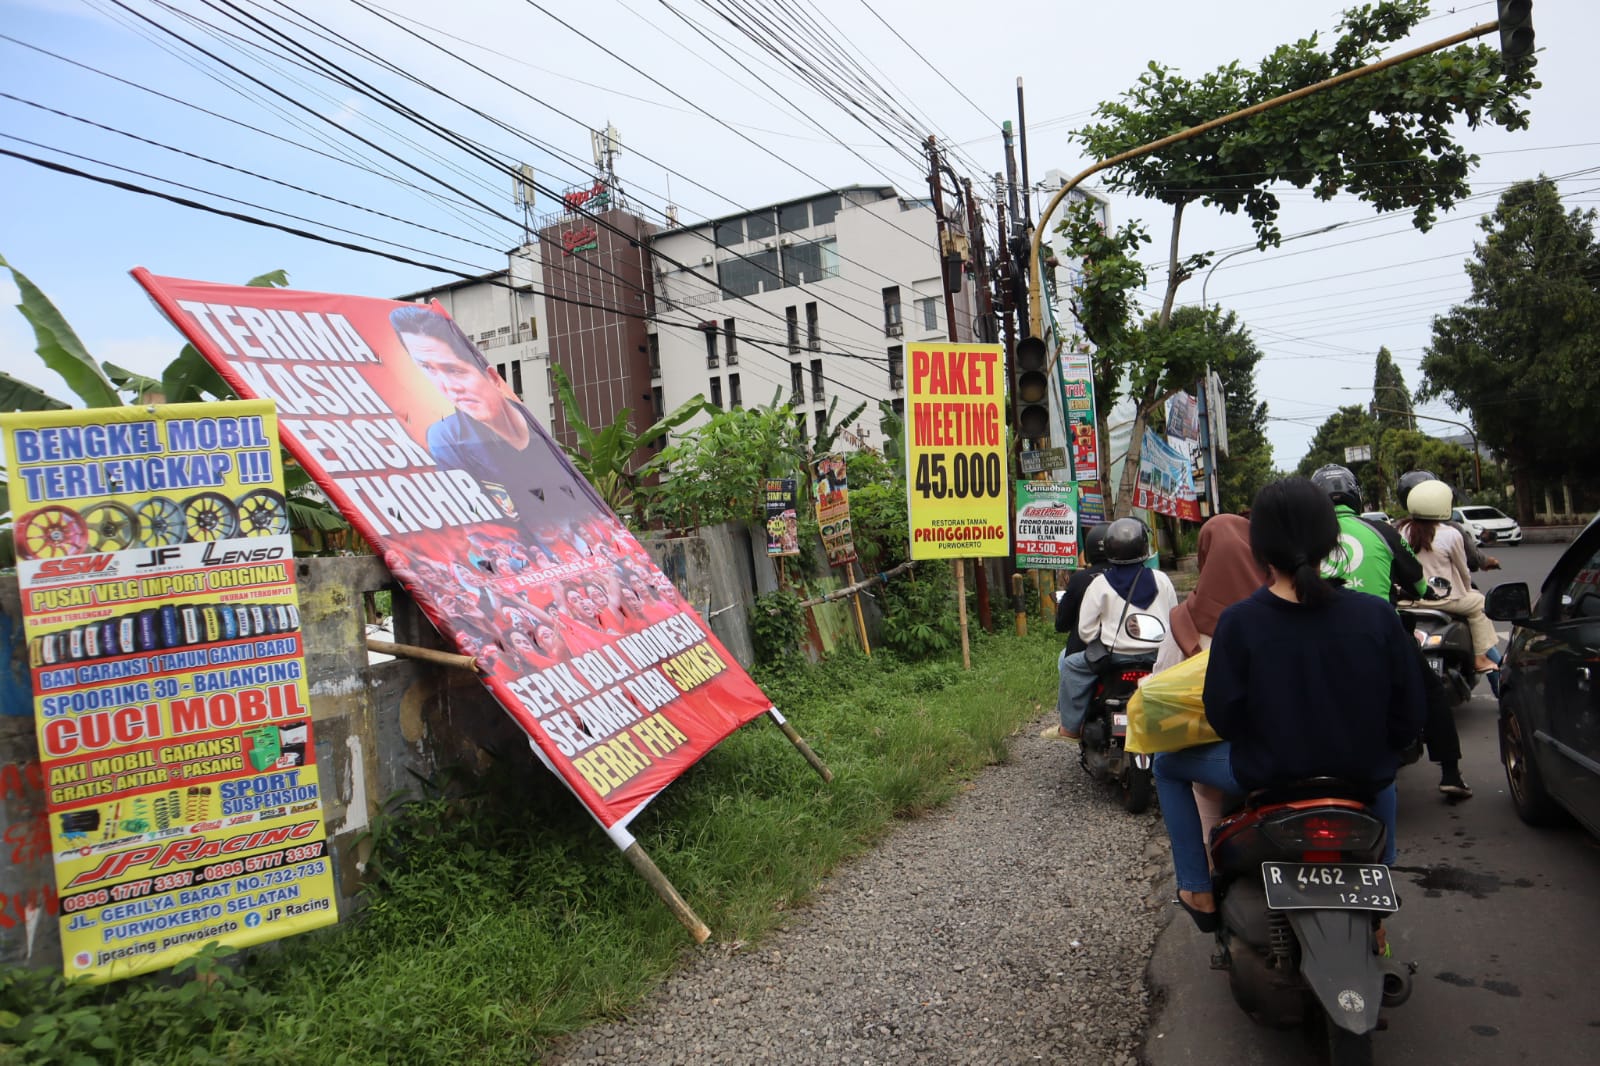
472	391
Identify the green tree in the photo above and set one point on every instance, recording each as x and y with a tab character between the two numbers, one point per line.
715	472
1520	353
608	457
1348	427
1248	464
1407	449
1391	399
1388	139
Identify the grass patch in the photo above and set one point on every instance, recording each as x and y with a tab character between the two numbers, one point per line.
501	918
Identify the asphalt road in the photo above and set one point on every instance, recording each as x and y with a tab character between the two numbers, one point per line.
1502	920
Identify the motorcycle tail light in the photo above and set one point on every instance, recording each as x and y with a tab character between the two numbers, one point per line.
1135	675
1433	640
1324	830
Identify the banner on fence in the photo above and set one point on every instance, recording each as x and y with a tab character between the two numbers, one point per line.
832	483
1047	526
175	737
484	520
955	452
1166	480
783	519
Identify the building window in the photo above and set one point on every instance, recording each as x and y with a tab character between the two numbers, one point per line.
821	418
823	209
800	423
897	367
794	217
655	355
735	397
929	306
810	261
710	330
516	378
813	332
533	328
899	406
730	340
797	384
792	313
761	227
730	233
500	368
716	392
657	404
746	275
891	312
816	380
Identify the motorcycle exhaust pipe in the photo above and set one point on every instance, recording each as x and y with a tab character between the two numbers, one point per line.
1397	982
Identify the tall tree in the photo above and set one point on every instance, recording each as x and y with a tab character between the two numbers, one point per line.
1520	353
1248	464
1389	138
1391	399
1348	427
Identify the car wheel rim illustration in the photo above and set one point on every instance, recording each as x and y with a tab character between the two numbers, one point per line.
210	516
113	527
161	521
51	532
263	513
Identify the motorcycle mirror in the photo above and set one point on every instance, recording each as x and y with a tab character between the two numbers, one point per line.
1145	627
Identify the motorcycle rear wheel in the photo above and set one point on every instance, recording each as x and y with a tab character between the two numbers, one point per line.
1346	1048
1137	786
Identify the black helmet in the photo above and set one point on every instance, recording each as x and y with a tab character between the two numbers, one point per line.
1127	541
1094	542
1410	480
1340	485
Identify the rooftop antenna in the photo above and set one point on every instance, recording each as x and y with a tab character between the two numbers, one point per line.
523	194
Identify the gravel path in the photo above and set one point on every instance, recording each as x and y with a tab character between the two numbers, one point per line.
1013	925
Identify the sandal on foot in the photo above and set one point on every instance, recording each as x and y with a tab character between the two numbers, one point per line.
1057	732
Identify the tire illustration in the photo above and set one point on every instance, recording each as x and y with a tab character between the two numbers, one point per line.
160	523
113	527
263	513
51	532
210	516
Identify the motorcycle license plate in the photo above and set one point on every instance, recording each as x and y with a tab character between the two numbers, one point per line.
1436	664
1293	886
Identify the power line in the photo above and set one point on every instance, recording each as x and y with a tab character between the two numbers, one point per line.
926	62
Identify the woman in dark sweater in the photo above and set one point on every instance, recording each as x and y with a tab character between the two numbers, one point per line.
1306	680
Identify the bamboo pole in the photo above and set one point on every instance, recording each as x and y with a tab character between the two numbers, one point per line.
1019	602
861	621
961	610
427	655
657	880
800	744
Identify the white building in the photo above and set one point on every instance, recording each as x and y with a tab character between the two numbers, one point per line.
819	297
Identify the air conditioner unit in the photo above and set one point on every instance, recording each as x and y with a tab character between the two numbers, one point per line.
894	329
768	244
784	242
706	260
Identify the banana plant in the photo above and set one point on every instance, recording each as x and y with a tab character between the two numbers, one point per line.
605	456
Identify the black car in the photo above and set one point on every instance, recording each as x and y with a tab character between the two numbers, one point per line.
1550	688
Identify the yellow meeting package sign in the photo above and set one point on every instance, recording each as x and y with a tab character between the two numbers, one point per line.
955	451
170	699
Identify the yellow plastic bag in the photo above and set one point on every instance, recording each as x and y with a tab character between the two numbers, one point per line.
1167	713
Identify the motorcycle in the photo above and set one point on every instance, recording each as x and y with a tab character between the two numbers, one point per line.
1446	644
1301	894
1101	751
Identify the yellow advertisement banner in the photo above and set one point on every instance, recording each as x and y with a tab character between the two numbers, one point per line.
955	434
175	736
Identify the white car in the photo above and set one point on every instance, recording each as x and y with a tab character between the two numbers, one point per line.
1488	524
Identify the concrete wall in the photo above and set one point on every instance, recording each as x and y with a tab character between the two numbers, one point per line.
378	728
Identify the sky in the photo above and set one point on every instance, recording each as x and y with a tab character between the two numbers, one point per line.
708	121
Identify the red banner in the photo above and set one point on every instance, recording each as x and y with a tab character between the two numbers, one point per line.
483	519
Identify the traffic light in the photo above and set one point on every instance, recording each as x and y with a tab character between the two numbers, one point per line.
1516	32
1030	390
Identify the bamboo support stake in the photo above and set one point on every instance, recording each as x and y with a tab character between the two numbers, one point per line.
861	621
1019	603
658	881
800	744
427	655
961	610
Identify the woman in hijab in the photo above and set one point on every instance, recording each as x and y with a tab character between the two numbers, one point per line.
1125	586
1228	573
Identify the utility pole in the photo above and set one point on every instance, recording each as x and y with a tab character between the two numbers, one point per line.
950	273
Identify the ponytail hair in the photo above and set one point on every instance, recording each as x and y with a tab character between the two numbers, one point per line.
1293	528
